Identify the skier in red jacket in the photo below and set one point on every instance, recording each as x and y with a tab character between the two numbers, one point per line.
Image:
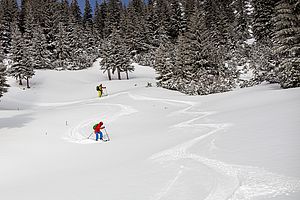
98	131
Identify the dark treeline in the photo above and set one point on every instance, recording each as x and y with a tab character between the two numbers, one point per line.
196	46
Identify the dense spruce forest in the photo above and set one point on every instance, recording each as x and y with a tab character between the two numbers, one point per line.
197	47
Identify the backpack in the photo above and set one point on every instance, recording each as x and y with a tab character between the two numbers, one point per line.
97	88
94	127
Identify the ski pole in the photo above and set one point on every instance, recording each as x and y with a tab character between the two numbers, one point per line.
90	135
108	139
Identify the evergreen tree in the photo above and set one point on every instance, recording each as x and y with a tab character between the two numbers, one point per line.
287	44
200	66
64	13
241	20
87	15
165	66
262	24
9	12
100	19
39	46
22	16
3	84
135	31
29	50
263	59
175	20
114	8
63	48
242	32
152	25
18	67
75	11
107	58
89	38
115	56
189	8
51	17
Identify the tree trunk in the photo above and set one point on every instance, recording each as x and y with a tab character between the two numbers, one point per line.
127	74
20	80
27	80
109	74
119	73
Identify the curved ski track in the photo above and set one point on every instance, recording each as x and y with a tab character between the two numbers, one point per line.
230	182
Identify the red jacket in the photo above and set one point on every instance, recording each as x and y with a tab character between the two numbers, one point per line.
99	127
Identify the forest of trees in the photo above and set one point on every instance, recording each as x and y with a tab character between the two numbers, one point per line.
196	46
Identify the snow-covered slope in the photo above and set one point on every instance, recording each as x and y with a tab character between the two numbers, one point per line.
242	144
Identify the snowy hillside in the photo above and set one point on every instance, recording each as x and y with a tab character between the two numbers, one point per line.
238	145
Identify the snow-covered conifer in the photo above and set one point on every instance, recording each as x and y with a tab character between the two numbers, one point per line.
115	54
261	53
114	8
29	44
165	66
133	22
176	19
107	59
75	11
18	67
9	13
262	24
287	44
87	14
3	84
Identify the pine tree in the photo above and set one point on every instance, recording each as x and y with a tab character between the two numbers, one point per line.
165	66
114	8
75	11
200	66
242	24
115	56
64	13
219	25
175	20
87	15
22	16
107	59
242	32
152	25
63	48
9	12
50	14
3	84
287	44
262	24
99	20
263	59
102	19
18	67
89	38
39	43
28	45
135	31
138	6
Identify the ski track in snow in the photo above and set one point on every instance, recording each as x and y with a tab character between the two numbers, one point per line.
230	182
42	105
78	134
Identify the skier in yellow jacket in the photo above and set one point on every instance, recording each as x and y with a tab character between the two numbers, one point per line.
100	88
